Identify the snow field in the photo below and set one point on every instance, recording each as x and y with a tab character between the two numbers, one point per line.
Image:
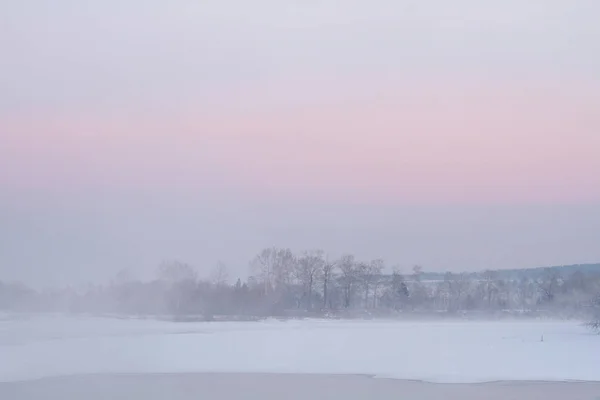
446	351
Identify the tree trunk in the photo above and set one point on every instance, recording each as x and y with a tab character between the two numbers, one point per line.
325	293
309	301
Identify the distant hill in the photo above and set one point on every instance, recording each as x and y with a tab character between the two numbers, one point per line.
529	273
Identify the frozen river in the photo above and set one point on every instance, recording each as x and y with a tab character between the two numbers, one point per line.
442	352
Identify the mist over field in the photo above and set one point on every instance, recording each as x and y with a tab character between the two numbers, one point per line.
281	283
299	199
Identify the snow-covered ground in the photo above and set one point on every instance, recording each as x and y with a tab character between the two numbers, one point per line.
448	351
230	386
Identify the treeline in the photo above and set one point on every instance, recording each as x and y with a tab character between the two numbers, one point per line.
528	273
282	283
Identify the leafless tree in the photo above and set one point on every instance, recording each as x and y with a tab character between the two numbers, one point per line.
219	276
273	267
349	273
458	286
489	287
181	279
176	271
548	285
326	276
370	274
418	291
122	277
396	294
307	268
594	323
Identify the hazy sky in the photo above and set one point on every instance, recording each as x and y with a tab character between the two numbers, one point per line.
455	134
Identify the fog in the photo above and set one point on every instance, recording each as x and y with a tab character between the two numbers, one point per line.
98	172
82	241
399	192
456	136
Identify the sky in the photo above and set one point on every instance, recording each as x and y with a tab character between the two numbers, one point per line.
459	135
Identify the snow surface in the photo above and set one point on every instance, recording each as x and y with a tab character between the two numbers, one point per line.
446	351
230	386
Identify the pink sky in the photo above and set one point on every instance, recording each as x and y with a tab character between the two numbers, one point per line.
458	135
433	142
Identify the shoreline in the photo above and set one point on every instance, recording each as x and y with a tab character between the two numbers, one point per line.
298	375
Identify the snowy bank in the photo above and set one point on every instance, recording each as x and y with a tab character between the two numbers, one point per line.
444	351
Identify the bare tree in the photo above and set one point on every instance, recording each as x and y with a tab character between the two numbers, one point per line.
219	276
396	294
284	267
349	272
489	287
418	291
181	281
308	266
594	323
548	285
458	286
370	275
273	267
123	276
176	271
326	276
263	266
